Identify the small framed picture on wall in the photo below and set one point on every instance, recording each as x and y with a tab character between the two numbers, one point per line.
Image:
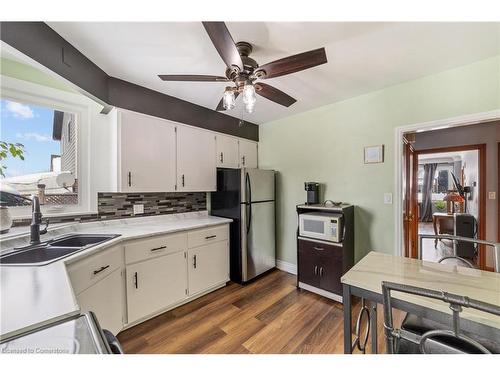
374	154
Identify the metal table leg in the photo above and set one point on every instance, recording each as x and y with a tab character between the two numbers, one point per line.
373	326
346	300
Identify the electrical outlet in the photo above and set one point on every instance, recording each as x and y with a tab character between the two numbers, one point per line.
492	195
387	198
138	209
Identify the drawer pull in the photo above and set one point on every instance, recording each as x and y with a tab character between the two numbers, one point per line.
135	281
210	237
100	269
158	248
318	248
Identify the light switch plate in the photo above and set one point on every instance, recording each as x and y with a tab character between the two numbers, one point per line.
138	209
492	195
387	198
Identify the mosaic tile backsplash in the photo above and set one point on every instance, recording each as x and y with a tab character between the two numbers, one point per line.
119	205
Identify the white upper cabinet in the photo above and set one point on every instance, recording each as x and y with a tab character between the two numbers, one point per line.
196	168
247	154
227	151
146	153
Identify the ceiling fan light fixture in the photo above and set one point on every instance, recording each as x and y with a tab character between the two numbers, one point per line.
228	100
249	96
249	107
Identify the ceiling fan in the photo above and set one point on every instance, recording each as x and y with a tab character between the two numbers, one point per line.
246	73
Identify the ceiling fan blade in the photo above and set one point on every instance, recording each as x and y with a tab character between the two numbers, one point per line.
192	78
292	64
220	106
224	43
272	93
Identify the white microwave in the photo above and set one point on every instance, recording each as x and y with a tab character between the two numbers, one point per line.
321	225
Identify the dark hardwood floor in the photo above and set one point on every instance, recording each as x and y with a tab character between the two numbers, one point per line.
269	315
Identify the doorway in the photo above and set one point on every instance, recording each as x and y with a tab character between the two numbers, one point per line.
449	181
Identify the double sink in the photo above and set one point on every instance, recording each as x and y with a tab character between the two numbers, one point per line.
53	250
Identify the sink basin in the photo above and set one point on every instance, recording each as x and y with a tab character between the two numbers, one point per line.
50	251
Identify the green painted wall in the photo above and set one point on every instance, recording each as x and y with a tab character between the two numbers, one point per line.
24	72
326	145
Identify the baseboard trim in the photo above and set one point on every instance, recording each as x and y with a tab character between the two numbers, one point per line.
286	266
321	292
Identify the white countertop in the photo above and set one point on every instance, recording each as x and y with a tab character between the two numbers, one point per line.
376	267
34	296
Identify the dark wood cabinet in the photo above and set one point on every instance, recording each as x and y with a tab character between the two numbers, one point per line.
321	264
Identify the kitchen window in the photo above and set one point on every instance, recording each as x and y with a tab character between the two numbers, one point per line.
39	155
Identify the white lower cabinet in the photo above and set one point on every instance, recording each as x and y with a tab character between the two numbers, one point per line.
126	284
208	266
106	300
154	284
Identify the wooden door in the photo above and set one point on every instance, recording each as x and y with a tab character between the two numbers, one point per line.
146	153
248	154
196	167
227	151
155	284
410	204
208	266
106	300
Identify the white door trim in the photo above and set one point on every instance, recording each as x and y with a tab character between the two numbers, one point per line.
452	122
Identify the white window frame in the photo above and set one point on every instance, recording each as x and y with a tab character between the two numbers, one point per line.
33	94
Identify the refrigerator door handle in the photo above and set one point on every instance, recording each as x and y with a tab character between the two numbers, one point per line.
249	201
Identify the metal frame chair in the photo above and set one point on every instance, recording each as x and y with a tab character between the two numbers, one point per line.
455	240
430	342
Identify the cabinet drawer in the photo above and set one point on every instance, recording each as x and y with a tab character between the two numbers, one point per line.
154	247
208	235
320	248
88	271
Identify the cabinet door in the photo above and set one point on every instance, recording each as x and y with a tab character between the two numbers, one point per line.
154	284
196	170
146	153
106	300
208	266
308	269
248	154
227	151
330	270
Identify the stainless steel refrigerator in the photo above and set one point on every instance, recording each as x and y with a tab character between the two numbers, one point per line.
248	197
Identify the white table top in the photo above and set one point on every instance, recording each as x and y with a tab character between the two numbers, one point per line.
376	267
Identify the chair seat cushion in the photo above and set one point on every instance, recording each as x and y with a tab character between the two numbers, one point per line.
420	326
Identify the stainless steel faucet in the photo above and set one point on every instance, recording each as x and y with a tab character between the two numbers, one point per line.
36	220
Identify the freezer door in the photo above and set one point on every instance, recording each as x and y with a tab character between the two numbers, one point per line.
257	185
258	239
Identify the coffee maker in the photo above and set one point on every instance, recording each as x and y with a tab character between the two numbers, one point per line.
312	189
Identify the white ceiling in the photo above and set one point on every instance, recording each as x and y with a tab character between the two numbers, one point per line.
362	57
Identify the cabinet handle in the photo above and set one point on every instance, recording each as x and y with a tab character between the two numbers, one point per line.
101	269
210	237
243	160
321	272
315	270
158	248
318	248
129	178
194	261
183	180
136	281
222	157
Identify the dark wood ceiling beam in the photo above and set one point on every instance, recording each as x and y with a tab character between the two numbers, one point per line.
41	43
